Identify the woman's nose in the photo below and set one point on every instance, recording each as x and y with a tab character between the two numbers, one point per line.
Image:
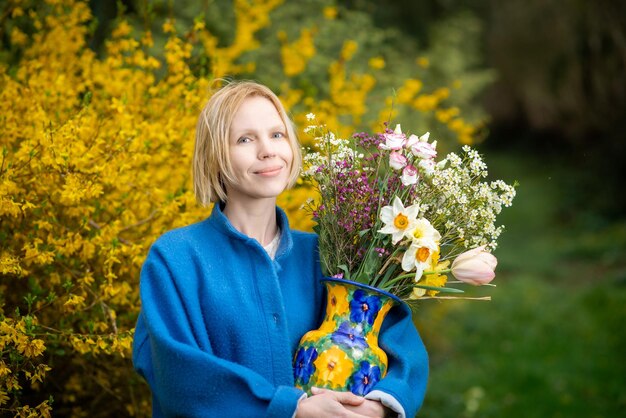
266	149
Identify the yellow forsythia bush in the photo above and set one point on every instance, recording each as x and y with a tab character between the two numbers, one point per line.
95	165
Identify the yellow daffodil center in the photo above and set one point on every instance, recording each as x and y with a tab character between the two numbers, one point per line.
401	221
422	254
418	233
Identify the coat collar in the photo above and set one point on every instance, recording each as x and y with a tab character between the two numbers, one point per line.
221	222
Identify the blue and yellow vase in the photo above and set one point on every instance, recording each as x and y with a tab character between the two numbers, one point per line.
343	353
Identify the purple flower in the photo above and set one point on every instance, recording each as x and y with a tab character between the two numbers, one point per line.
348	336
364	380
363	307
303	366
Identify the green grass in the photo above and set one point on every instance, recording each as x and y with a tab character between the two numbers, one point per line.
551	343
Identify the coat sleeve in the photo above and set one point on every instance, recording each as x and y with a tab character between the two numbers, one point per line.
185	378
407	373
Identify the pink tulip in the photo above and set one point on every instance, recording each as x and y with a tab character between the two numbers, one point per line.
475	266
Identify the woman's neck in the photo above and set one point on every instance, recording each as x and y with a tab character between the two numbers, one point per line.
256	219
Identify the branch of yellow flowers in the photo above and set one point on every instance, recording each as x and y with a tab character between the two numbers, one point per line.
54	331
93	223
106	310
23	164
99	383
141	222
109	313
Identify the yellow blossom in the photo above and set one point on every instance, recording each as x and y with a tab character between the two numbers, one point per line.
10	264
17	12
349	49
4	398
330	12
333	367
74	302
18	37
435	279
296	55
445	115
423	62
168	27
121	30
30	347
377	63
338	303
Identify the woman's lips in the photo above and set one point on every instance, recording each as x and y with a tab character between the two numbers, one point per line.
269	171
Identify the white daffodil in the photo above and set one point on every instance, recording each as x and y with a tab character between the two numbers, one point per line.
398	219
423	230
419	256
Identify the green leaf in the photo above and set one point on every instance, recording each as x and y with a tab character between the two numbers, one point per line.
372	263
439	289
344	268
389	272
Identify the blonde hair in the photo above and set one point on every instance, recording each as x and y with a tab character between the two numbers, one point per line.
212	168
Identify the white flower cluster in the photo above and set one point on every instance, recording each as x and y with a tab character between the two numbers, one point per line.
462	206
332	149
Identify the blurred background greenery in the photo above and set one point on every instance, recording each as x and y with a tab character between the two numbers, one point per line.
544	80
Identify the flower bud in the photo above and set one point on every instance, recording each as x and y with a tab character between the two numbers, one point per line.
475	266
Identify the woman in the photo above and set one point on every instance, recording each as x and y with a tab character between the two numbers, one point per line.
226	300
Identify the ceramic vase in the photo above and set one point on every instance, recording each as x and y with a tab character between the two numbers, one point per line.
343	353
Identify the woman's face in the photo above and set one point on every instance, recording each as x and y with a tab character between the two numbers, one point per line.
259	150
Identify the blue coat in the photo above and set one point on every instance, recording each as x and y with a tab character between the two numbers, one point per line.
220	322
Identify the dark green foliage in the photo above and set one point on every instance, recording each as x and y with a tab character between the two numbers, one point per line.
551	342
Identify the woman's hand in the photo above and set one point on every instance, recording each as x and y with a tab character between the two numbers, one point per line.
369	408
328	403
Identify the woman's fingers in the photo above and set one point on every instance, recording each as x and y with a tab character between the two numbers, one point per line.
346	398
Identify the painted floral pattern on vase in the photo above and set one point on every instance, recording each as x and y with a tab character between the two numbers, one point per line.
343	353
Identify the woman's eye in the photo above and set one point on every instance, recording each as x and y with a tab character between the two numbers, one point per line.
278	135
243	140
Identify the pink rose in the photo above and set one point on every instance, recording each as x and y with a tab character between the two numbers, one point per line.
475	266
409	175
396	160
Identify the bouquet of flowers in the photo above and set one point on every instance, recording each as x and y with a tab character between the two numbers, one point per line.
392	216
393	222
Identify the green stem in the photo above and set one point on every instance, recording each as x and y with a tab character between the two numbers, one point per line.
437	271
